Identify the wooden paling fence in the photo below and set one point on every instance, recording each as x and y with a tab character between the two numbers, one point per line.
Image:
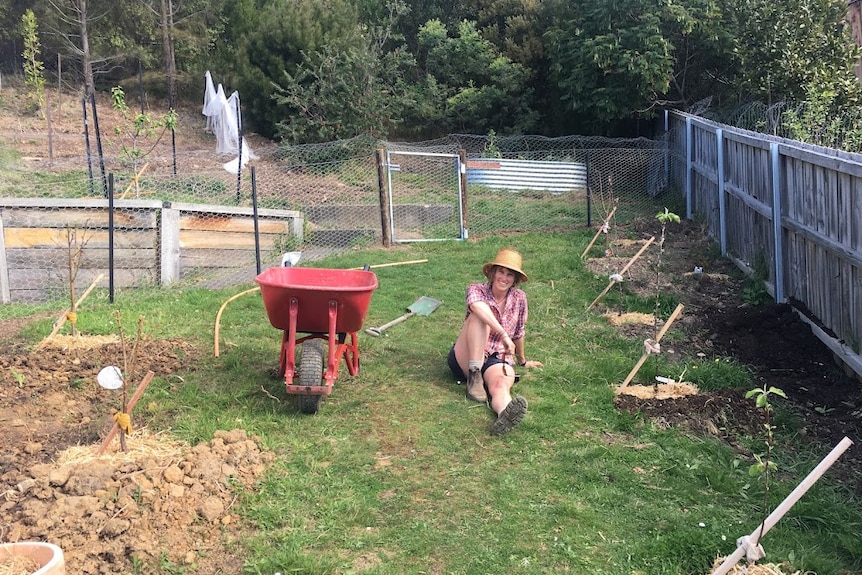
788	210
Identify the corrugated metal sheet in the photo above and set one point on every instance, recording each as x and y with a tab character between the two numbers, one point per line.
527	174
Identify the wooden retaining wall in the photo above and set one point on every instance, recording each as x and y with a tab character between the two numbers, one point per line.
791	210
154	242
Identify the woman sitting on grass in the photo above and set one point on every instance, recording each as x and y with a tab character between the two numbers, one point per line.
492	339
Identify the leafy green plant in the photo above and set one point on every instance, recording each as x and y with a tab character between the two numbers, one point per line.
665	217
34	69
754	290
492	150
169	566
763	465
138	130
137	564
19	377
826	117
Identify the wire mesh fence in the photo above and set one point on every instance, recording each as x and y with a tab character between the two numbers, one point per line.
817	123
184	216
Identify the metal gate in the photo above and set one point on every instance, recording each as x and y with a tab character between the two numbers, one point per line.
425	196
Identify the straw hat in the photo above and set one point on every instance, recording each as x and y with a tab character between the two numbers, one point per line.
507	258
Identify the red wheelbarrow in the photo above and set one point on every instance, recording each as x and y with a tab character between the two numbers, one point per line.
325	305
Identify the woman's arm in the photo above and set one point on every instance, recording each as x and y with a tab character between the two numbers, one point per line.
521	356
483	311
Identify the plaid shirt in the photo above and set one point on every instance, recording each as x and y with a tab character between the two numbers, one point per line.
513	318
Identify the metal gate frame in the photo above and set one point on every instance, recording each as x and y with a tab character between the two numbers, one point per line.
460	170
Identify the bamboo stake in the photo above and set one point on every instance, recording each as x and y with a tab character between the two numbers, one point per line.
621	272
598	233
785	506
134	181
61	321
658	337
135	397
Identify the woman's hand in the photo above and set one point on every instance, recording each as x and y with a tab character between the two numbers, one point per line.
532	363
508	344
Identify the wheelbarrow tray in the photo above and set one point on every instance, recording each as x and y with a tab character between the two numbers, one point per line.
314	289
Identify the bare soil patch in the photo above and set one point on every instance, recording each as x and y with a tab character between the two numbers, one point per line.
159	503
771	340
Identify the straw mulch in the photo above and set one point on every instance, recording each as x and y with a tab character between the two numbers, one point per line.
660	391
758	569
630	318
17	565
62	341
141	444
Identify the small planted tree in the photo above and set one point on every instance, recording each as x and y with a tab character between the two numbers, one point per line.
607	204
763	465
112	378
666	217
138	134
75	245
34	69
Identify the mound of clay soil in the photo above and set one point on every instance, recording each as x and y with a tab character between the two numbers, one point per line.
159	502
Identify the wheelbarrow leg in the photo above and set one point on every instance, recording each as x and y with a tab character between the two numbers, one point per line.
290	337
351	354
331	363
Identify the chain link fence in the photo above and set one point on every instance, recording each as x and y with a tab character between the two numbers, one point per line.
183	217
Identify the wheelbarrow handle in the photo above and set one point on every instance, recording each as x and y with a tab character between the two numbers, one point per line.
377	331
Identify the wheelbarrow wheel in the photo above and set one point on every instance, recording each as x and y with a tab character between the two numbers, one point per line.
311	374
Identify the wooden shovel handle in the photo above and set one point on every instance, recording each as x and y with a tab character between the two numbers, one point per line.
376	331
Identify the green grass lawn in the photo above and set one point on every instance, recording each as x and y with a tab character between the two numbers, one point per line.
397	472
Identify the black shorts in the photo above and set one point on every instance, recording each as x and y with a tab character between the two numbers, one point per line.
459	374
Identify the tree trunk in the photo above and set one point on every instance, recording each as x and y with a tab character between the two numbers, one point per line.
167	25
86	63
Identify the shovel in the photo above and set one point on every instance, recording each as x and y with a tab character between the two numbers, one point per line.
422	306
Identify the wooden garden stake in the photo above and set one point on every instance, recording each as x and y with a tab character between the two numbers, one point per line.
744	542
134	181
598	233
135	397
62	319
622	271
658	337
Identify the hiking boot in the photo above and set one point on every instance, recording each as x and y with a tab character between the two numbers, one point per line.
476	387
510	417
